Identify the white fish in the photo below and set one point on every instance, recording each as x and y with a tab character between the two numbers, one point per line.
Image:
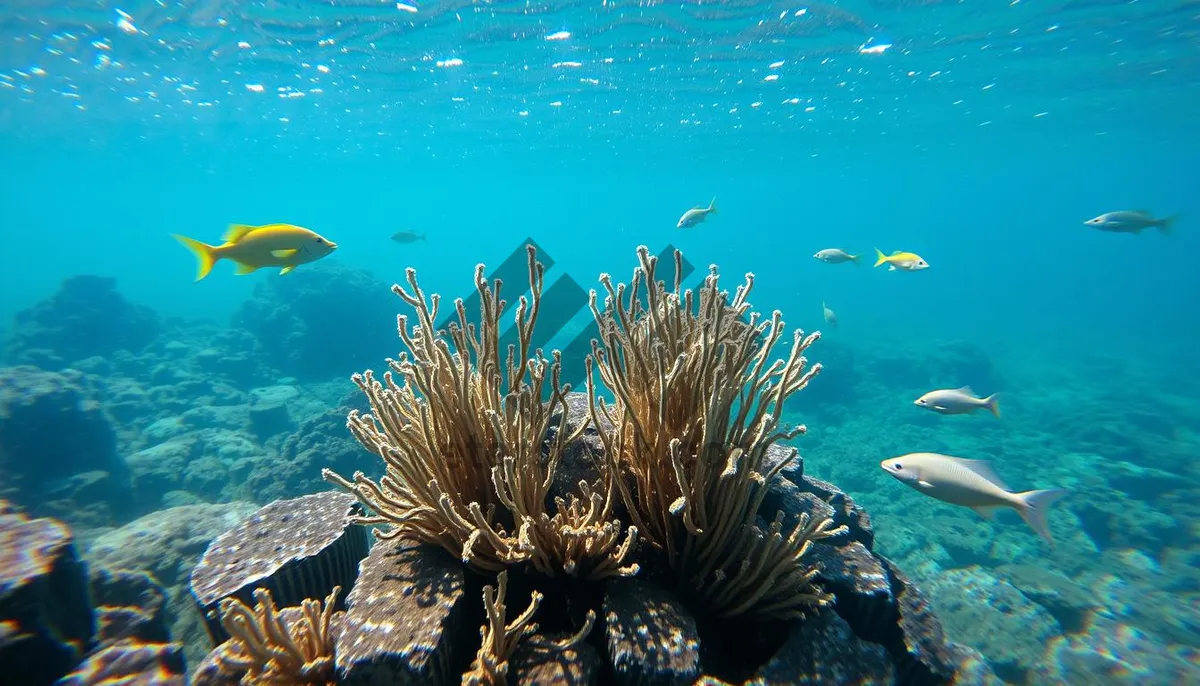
958	401
1126	221
835	256
696	215
973	484
830	316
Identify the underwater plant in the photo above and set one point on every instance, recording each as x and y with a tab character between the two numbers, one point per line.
697	404
462	435
268	650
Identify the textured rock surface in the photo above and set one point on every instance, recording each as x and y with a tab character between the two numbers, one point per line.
131	662
917	642
299	548
534	665
320	441
823	650
52	430
651	637
129	605
46	621
167	545
408	620
989	614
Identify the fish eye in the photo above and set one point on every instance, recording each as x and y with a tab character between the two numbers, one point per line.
897	466
320	240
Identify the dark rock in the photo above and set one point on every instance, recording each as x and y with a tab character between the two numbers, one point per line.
85	318
534	663
652	639
297	549
846	511
51	429
269	411
821	649
917	642
132	662
583	458
861	586
408	620
129	605
46	622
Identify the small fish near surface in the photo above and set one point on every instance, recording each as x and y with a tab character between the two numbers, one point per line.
973	484
958	401
696	215
835	256
407	237
255	247
830	315
904	261
1131	221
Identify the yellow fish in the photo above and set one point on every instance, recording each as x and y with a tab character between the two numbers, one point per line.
908	261
254	247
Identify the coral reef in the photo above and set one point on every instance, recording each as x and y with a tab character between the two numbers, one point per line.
86	317
323	321
472	439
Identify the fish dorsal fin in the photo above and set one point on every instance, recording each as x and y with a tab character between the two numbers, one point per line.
967	390
984	469
896	252
284	254
237	232
1146	212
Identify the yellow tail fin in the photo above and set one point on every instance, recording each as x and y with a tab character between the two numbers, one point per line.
880	258
206	255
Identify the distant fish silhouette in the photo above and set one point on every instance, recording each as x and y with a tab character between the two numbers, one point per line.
696	215
407	237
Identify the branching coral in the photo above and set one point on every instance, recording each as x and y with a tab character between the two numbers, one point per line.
500	641
697	403
270	651
462	433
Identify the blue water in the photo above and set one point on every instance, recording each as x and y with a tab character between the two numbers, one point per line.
979	135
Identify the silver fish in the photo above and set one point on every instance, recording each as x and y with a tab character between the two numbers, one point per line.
958	401
1127	221
835	256
973	484
830	316
696	215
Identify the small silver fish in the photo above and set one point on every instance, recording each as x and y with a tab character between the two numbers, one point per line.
830	316
1127	221
973	484
696	215
407	237
958	401
835	256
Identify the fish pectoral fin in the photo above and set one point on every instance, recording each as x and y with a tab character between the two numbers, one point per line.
287	269
988	512
243	268
924	484
237	232
284	254
940	407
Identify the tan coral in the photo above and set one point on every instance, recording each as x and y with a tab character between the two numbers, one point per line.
268	649
500	640
697	404
461	425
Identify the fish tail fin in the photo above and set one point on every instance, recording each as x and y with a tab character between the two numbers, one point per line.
423	236
1034	505
854	259
1167	225
712	206
992	403
206	255
880	258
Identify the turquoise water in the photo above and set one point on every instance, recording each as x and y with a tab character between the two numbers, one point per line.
979	135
